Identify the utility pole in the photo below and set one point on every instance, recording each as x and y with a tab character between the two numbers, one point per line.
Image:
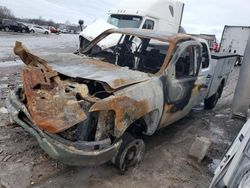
241	99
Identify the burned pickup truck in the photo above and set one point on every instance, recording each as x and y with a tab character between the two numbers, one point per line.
90	108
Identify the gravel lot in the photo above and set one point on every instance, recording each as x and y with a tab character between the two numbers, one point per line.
166	163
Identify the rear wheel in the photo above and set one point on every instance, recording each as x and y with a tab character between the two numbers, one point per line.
211	102
32	31
130	152
7	29
23	31
46	32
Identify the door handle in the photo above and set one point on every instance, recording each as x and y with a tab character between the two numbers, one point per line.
209	76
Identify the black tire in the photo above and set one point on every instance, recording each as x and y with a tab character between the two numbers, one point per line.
32	31
7	29
46	32
211	102
130	152
23	31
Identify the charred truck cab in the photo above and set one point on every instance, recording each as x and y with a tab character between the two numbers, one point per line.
90	108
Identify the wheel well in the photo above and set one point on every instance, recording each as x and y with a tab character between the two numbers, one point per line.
223	83
137	127
221	89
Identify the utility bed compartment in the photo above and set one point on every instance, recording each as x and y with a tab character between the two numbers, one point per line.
222	65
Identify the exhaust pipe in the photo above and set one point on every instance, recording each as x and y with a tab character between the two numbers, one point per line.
81	22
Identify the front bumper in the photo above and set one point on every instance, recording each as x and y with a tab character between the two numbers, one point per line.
77	154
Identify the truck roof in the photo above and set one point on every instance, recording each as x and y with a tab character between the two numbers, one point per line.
144	33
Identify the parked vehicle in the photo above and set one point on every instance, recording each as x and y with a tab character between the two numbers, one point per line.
234	40
24	28
54	30
38	29
234	169
157	15
11	25
92	108
211	40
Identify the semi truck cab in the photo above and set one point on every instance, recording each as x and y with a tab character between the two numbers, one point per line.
157	15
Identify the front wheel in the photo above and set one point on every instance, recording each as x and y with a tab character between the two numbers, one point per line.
32	31
46	33
130	152
211	102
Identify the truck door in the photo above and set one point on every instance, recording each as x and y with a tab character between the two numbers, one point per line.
205	75
179	82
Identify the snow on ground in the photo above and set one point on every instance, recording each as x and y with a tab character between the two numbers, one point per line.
36	43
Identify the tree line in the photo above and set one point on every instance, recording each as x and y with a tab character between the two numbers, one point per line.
8	14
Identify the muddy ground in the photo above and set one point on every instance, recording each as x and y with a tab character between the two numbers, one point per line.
166	162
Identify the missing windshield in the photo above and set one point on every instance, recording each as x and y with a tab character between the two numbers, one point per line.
136	53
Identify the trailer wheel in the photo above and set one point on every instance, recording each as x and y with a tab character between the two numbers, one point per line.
130	152
211	102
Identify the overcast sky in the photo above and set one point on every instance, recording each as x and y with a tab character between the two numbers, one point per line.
200	16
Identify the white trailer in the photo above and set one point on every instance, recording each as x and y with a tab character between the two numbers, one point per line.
234	40
157	15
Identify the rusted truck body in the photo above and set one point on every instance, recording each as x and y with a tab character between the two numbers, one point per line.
87	109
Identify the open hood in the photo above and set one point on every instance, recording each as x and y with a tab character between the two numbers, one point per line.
96	28
93	69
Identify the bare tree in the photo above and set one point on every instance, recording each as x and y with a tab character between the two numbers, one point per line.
6	13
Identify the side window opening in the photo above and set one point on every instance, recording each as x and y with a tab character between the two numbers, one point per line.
185	66
148	24
205	56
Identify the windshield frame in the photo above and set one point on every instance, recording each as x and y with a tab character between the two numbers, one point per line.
172	39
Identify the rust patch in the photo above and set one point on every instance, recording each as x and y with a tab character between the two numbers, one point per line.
126	110
105	125
118	82
52	106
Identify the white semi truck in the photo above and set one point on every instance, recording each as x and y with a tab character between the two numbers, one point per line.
158	15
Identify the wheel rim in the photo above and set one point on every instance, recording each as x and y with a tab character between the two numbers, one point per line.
6	29
245	181
132	154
